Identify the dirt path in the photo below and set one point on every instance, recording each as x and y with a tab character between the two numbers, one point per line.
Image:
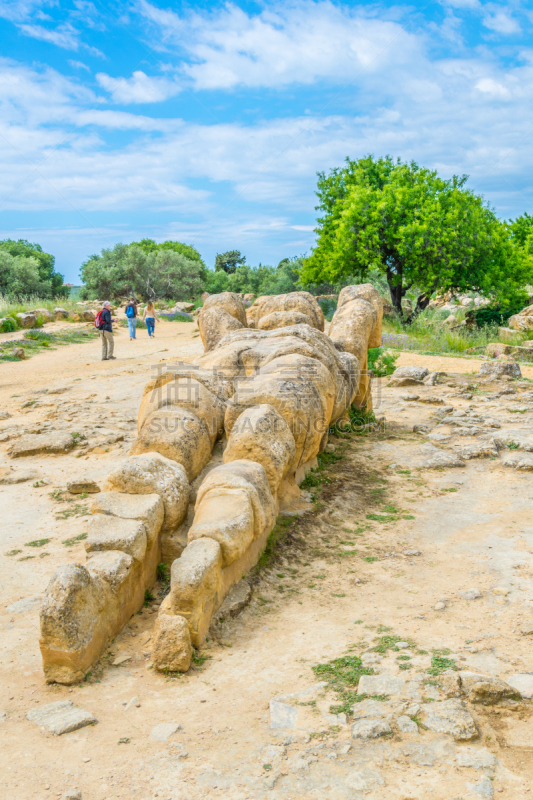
386	544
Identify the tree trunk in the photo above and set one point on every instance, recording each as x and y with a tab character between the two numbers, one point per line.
396	290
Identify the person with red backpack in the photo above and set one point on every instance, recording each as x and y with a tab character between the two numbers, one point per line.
104	325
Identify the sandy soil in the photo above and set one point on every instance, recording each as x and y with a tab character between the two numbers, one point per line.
336	578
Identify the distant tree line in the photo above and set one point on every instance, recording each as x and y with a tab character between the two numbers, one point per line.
25	269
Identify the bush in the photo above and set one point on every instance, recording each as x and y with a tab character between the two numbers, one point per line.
8	325
382	362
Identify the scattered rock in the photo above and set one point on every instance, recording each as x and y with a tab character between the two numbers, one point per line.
164	731
470	594
61	717
523	683
417	373
83	485
407	725
402	645
371	709
72	794
390	685
5	414
27	320
412	553
475	758
236	600
485	689
133	702
34	444
25	605
427	456
502	590
369	659
121	660
498	369
478	450
370	729
449	717
18	476
284	715
19	352
518	461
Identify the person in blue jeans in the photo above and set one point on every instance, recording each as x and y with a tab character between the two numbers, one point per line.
131	314
150	317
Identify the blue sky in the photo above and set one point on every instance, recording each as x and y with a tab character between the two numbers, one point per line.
207	122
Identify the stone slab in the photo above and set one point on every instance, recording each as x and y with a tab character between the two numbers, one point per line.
61	717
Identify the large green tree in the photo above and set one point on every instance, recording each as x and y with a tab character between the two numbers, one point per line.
416	228
147	273
229	261
48	283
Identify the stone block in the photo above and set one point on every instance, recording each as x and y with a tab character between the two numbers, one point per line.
113	533
171	644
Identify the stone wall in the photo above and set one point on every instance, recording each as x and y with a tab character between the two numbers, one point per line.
272	390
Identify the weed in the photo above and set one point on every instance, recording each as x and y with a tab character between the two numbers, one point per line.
408	516
148	597
74	540
338	595
381	517
513	446
342	675
386	643
383	629
405	666
200	658
124	740
26	558
37	543
358	622
439	663
13	552
275	541
77	510
370	559
267	767
449	490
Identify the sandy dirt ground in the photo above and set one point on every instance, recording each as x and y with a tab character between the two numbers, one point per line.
385	543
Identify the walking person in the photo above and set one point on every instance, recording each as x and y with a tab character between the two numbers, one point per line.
131	315
106	331
150	316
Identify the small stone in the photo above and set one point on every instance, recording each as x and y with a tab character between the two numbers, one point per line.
412	710
345	749
370	709
402	645
369	659
407	725
449	717
440	606
486	689
235	601
502	590
370	729
470	594
164	731
3	716
71	794
61	717
5	414
81	486
133	702
412	553
19	352
526	628
121	660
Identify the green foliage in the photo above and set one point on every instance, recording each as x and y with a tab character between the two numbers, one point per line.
128	269
187	250
256	280
229	261
382	362
416	229
8	325
29	271
439	663
342	675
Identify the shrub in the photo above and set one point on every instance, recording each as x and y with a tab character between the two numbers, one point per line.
8	325
382	362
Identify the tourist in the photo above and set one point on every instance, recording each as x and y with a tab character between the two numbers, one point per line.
106	331
150	317
131	315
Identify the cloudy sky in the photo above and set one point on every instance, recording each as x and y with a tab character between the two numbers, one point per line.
207	122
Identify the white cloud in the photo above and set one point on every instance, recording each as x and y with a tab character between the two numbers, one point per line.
501	22
63	36
139	88
282	45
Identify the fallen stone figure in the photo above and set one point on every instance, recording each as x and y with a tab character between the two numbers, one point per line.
272	391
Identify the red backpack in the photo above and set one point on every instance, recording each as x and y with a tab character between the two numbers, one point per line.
99	321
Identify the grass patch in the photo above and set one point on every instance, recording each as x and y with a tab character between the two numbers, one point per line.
440	663
277	538
76	510
370	559
148	597
342	676
74	540
37	543
13	552
200	658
